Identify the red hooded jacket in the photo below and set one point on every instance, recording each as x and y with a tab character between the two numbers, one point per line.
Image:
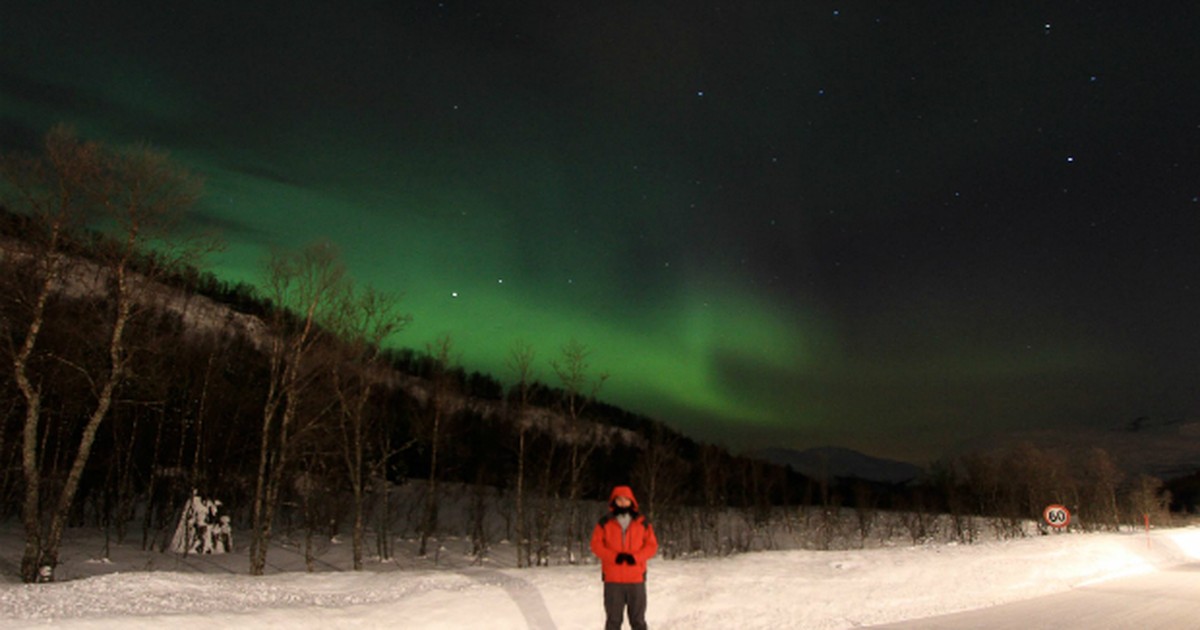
638	541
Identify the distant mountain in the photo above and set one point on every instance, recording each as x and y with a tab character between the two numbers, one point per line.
1164	448
832	462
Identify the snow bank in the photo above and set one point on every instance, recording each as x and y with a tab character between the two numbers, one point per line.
809	589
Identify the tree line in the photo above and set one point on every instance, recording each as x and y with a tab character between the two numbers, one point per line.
127	389
134	378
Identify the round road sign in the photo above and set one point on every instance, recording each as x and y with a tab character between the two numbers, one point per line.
1057	516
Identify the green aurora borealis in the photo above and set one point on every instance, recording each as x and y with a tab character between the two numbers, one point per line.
883	227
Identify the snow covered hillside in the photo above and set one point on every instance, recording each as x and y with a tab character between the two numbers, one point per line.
772	589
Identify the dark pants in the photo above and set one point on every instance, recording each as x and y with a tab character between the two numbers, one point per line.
617	597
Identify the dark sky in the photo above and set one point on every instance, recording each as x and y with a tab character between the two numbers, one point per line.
893	226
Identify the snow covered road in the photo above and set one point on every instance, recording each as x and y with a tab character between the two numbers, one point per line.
1162	600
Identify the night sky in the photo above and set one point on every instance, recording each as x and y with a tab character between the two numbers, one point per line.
898	227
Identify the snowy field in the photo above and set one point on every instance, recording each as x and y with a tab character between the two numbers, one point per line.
770	589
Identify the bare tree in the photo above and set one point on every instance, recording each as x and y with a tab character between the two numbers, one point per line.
660	473
438	411
1100	480
305	288
995	493
54	189
379	476
548	495
1042	478
579	391
866	513
713	469
136	195
367	319
1148	502
520	364
947	477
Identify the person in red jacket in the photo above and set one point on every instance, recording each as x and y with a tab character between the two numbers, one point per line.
623	541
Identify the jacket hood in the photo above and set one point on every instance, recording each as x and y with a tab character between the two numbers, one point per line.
623	491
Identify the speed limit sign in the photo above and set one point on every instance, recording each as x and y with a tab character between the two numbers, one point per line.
1057	516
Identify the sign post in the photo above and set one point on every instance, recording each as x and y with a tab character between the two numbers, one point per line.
1056	516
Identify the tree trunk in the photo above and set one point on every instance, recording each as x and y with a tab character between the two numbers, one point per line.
431	499
306	280
270	495
356	485
62	511
257	562
572	507
353	447
544	519
125	495
31	559
522	534
151	488
520	363
383	541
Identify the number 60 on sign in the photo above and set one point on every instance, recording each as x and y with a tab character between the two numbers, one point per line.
1057	516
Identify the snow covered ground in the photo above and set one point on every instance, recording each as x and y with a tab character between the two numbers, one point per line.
771	589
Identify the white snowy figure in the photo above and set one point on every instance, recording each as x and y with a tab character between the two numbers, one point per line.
223	536
200	530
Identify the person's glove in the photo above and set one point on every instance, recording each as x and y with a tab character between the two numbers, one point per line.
625	558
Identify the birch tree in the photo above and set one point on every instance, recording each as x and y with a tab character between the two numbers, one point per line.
305	287
439	410
135	196
520	365
367	319
579	391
